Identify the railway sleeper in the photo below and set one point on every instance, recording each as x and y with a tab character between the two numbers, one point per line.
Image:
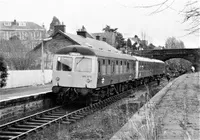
18	129
55	116
58	114
75	117
9	133
26	126
39	121
45	118
50	117
34	123
5	137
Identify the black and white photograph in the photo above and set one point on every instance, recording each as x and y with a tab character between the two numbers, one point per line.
99	70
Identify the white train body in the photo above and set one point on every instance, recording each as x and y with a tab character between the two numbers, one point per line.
91	71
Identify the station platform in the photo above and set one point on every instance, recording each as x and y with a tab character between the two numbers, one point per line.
21	92
172	114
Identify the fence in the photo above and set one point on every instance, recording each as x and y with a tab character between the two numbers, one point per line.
20	78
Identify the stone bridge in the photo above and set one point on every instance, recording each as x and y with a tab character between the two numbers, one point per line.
192	55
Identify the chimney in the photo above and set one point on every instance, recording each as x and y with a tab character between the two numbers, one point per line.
14	22
59	27
82	32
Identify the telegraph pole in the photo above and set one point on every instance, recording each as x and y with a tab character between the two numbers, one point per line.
42	58
42	62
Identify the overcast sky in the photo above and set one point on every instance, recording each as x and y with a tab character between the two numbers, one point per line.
96	14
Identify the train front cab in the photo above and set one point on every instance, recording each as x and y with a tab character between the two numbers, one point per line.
74	71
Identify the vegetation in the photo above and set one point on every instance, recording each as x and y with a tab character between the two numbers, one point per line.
173	43
120	42
15	54
3	72
55	21
176	65
192	14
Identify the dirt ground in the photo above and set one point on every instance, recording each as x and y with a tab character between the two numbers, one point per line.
101	125
179	111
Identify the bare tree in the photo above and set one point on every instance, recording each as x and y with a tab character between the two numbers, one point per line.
190	12
15	54
192	15
173	43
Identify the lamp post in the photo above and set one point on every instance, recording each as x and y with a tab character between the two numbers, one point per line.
42	58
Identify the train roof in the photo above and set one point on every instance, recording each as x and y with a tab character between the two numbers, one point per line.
85	50
139	58
158	61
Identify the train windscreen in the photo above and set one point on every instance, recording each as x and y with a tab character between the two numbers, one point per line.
83	64
64	64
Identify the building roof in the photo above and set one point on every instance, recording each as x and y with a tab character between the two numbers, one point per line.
85	42
92	43
19	25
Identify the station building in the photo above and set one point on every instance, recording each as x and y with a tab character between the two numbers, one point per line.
60	39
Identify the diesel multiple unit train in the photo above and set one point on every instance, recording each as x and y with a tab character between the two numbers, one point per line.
93	74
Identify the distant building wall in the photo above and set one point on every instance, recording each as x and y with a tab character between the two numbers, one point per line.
21	78
109	37
29	33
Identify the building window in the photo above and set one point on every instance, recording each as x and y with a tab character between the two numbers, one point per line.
104	39
97	37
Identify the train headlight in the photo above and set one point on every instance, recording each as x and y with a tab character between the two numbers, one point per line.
102	80
57	78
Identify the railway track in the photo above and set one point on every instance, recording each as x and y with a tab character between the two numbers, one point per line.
20	128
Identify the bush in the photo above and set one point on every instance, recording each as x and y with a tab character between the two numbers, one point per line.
3	72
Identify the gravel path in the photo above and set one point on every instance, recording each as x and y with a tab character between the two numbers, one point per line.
179	110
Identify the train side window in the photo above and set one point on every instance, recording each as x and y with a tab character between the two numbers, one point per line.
116	67
124	67
99	67
103	67
108	62
120	67
108	67
103	61
131	66
127	67
113	66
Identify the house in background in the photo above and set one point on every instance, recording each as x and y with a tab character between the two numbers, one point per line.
60	39
109	37
29	33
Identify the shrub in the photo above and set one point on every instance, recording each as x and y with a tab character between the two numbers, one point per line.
3	72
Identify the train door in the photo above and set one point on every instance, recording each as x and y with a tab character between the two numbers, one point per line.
113	73
136	69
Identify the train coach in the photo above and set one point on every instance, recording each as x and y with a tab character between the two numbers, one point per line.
93	74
